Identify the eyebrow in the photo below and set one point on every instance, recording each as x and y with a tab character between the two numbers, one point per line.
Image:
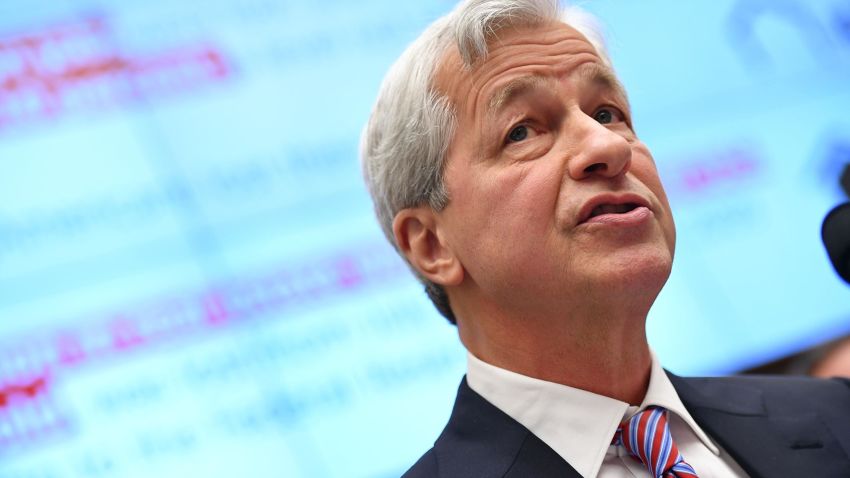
593	73
513	89
603	76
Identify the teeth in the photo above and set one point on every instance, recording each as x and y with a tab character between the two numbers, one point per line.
612	209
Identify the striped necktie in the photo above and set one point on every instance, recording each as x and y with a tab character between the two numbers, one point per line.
647	438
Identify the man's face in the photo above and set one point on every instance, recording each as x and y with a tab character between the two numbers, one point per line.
553	199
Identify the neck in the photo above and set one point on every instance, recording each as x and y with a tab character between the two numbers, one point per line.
601	351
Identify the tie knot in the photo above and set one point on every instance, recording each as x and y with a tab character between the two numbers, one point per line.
646	436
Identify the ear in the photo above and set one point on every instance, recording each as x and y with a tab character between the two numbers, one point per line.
419	238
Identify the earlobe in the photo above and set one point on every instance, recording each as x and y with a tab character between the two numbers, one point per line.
418	237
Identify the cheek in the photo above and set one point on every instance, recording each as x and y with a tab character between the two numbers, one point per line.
506	211
646	170
520	199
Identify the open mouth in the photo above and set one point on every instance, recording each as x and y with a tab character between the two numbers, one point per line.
612	209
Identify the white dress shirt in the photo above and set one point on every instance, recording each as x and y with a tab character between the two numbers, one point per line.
579	425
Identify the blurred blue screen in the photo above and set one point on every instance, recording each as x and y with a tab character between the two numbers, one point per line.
192	282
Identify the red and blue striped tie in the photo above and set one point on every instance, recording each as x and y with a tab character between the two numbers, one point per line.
647	438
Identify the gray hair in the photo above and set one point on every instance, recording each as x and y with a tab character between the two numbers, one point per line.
404	144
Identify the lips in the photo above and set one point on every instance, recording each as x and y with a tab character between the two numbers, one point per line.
612	209
610	204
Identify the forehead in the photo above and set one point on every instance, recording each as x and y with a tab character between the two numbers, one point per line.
549	50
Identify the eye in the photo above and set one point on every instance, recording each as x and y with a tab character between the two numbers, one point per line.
518	133
607	115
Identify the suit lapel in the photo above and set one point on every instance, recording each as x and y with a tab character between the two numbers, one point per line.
764	444
537	459
482	441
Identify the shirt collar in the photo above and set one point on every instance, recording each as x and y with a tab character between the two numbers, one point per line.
662	393
578	425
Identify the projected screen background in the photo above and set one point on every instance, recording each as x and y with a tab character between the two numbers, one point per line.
191	279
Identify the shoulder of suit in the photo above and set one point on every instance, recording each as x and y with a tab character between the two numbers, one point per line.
425	467
816	392
781	382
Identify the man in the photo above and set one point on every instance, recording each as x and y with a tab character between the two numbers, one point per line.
505	169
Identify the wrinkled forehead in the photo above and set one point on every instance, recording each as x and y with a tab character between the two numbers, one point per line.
551	49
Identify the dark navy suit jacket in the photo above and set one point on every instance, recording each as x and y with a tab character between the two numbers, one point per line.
772	426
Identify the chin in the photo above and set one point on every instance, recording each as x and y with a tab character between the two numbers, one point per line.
638	272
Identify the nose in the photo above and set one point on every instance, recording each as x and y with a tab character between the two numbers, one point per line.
601	151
